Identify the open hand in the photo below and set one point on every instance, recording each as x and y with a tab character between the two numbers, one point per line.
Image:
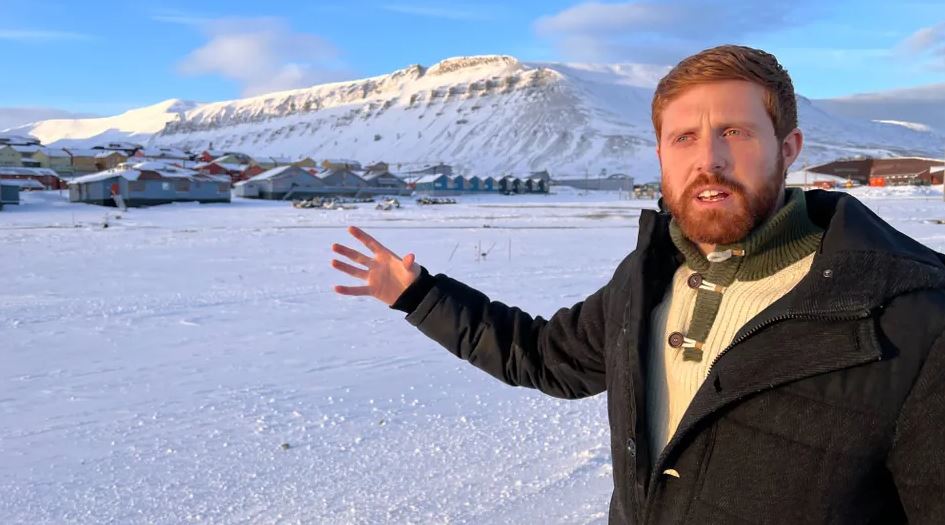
386	275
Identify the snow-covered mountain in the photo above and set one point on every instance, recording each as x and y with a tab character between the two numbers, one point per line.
483	115
136	125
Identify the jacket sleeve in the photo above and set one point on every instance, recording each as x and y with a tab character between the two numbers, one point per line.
562	356
917	459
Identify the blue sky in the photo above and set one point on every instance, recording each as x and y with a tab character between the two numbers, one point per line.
105	57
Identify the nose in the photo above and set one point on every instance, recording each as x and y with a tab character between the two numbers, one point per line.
713	155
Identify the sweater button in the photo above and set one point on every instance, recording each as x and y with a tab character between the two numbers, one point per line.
694	280
631	447
675	339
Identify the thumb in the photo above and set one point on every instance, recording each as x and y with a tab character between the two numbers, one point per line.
408	261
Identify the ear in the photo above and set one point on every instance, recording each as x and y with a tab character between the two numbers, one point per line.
791	147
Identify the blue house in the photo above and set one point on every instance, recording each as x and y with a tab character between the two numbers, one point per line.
474	183
432	183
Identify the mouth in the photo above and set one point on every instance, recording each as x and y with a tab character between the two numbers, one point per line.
711	195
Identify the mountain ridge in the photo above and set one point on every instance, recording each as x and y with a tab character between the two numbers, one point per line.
481	114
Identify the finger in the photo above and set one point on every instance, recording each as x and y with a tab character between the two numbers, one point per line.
366	239
408	260
353	290
354	255
353	271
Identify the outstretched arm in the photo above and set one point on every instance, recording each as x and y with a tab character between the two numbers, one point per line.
562	356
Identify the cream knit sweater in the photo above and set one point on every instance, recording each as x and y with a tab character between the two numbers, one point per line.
672	381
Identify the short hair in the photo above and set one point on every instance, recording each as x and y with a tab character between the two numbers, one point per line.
731	62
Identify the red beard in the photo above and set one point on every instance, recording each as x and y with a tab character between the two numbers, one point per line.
715	226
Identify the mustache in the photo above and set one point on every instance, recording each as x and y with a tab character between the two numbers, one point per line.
713	179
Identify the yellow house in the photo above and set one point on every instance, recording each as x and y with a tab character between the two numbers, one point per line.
9	156
59	160
306	162
341	164
40	157
83	160
107	160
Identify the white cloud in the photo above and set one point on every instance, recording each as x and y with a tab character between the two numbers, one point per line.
658	32
40	35
264	55
927	45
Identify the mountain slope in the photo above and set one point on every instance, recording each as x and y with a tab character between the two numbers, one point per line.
483	115
136	125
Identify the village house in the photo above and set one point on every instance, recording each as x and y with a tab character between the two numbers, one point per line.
379	180
47	178
9	192
83	160
341	181
27	159
164	153
488	184
341	164
880	172
235	157
18	140
282	183
269	162
431	183
58	160
108	159
435	169
510	184
149	183
305	162
209	155
473	183
236	172
535	185
9	156
127	149
933	175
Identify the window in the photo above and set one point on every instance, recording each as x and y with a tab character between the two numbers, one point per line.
182	186
166	186
136	185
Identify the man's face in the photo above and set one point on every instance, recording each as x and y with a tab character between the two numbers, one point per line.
722	165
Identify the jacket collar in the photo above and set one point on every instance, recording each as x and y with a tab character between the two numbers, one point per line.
855	238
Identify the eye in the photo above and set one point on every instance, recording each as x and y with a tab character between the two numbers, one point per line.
732	132
682	139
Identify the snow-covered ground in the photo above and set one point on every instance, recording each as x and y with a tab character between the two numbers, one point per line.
190	363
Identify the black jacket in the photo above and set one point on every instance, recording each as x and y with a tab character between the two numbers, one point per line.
828	407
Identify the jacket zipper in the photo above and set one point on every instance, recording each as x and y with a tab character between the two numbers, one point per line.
861	314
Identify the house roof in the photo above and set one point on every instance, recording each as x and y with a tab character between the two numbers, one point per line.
268	174
27	171
332	171
55	152
132	171
797	178
24	183
108	153
429	178
82	152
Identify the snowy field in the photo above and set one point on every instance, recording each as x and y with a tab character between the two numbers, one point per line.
190	363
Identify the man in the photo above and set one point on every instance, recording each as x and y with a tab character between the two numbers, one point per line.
769	355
